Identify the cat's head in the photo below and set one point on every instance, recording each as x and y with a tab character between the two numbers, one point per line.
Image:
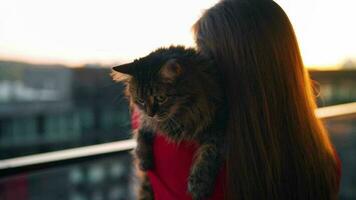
171	85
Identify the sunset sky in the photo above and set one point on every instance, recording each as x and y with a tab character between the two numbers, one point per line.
75	32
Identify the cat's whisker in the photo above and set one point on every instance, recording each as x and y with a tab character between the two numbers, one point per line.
119	99
178	126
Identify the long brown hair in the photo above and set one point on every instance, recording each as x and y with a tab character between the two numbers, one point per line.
277	148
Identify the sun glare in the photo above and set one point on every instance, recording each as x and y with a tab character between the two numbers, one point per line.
78	32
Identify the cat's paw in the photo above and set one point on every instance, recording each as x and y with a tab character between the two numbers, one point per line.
145	164
144	158
199	188
145	192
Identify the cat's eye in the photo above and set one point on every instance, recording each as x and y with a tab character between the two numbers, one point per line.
161	99
140	101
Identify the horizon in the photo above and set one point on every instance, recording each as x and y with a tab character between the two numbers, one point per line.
103	65
79	33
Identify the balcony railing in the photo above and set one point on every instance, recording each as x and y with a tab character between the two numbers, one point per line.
342	110
116	153
13	166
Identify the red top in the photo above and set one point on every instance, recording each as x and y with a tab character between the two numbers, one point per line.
172	168
172	164
169	178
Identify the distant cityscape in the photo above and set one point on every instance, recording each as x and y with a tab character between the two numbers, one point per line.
52	107
49	108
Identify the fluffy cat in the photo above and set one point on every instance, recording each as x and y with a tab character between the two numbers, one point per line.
177	92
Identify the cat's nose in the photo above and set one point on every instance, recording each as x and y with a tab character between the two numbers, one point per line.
151	108
150	112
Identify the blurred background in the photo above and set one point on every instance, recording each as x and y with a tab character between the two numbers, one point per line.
56	94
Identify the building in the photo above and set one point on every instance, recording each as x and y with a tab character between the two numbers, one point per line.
52	108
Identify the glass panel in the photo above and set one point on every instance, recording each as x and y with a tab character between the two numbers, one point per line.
343	134
108	178
112	177
48	108
334	86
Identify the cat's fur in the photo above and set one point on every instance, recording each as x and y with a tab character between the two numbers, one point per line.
177	92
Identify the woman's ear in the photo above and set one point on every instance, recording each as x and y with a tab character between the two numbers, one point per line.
171	70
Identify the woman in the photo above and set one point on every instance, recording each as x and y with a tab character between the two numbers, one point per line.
277	148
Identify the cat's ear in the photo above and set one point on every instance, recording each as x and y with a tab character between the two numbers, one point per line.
171	70
125	68
122	72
